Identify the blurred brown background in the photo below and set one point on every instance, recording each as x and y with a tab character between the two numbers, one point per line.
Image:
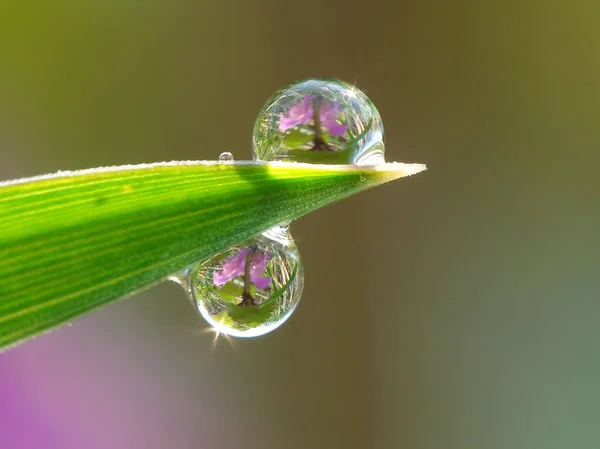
457	309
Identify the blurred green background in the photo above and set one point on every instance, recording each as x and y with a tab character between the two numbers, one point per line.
457	309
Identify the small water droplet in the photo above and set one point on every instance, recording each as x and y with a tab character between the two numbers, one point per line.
321	121
226	156
250	289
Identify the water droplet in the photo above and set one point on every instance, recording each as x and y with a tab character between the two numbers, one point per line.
321	121
251	289
226	156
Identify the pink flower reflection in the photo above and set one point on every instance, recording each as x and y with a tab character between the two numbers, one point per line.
236	266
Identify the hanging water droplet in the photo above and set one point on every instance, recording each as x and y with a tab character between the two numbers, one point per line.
319	121
226	156
251	289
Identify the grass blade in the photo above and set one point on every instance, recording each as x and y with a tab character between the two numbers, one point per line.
74	241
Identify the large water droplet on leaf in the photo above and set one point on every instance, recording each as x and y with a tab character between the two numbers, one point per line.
251	289
320	121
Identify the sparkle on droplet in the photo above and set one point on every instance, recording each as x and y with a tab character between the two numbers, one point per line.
250	289
226	156
322	121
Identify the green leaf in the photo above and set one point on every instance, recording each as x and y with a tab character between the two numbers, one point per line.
296	137
230	291
74	241
319	157
327	157
249	316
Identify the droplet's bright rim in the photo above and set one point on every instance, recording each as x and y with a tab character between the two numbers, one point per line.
222	328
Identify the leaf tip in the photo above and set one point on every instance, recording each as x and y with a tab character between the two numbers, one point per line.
400	169
395	170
